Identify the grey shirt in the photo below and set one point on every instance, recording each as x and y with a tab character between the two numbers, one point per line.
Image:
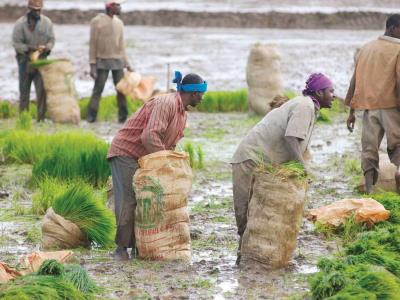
266	141
23	38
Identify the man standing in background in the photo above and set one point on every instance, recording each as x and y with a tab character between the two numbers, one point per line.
375	89
32	32
107	53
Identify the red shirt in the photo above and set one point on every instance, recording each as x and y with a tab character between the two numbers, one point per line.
157	126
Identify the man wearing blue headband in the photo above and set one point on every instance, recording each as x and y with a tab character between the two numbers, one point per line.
157	126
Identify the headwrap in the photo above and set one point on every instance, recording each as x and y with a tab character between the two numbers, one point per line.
193	87
109	3
314	83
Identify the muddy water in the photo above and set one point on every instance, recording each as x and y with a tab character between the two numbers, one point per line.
218	54
212	273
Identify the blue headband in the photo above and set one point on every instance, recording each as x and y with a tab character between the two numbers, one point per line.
199	87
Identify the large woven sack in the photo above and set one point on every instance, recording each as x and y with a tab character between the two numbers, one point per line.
274	218
58	79
386	179
264	78
162	186
366	211
136	87
59	233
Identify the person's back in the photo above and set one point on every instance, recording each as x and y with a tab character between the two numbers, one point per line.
266	140
376	71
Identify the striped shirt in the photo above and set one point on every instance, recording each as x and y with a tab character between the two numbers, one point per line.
157	126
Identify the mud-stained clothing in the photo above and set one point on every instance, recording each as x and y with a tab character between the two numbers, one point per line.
23	39
157	126
376	123
376	75
266	142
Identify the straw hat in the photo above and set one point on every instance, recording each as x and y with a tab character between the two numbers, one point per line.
35	4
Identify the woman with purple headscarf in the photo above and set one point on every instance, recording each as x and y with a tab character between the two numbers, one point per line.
282	135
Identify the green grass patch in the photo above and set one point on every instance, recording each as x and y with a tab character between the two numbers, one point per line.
24	121
80	206
369	265
108	108
224	101
211	205
7	110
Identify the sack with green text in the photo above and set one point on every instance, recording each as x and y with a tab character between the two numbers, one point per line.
274	215
162	186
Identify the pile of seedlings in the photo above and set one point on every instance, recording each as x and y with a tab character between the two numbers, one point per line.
369	265
224	101
290	169
53	281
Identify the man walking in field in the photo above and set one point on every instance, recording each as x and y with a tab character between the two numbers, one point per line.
32	33
375	89
157	126
281	136
107	53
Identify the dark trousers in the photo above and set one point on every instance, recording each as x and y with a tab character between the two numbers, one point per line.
28	74
99	83
122	171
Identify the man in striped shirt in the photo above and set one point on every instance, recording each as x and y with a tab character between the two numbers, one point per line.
157	126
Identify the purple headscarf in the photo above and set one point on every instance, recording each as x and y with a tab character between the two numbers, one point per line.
316	82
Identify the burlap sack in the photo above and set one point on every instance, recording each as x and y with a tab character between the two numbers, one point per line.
7	273
59	233
274	218
32	262
136	87
263	77
58	79
162	186
366	211
386	179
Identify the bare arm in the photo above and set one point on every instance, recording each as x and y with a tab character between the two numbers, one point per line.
294	148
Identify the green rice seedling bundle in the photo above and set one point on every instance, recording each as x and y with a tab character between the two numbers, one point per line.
79	277
39	287
49	189
24	121
291	169
326	115
224	101
51	267
200	158
79	205
196	155
75	156
7	110
108	108
391	201
42	62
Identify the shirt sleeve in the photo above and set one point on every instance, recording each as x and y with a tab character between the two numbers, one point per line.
18	39
300	120
93	42
153	135
51	37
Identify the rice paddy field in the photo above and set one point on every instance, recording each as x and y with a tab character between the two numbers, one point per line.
45	165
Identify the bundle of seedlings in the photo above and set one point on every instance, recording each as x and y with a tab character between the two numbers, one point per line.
275	213
7	110
81	207
40	287
369	265
79	277
42	62
108	109
51	267
49	189
196	155
224	101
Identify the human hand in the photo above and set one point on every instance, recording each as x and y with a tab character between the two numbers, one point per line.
41	48
351	120
93	71
129	69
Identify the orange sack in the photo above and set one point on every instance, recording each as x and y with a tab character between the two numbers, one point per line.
7	273
366	211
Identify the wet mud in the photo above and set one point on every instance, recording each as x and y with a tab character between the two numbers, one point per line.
212	273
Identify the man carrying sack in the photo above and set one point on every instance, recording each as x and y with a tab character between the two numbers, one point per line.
375	89
282	135
32	34
157	126
107	53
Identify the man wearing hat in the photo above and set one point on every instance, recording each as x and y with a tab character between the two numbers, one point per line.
107	53
281	136
157	126
32	32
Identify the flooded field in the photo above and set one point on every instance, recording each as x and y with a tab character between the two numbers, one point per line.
218	54
212	274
